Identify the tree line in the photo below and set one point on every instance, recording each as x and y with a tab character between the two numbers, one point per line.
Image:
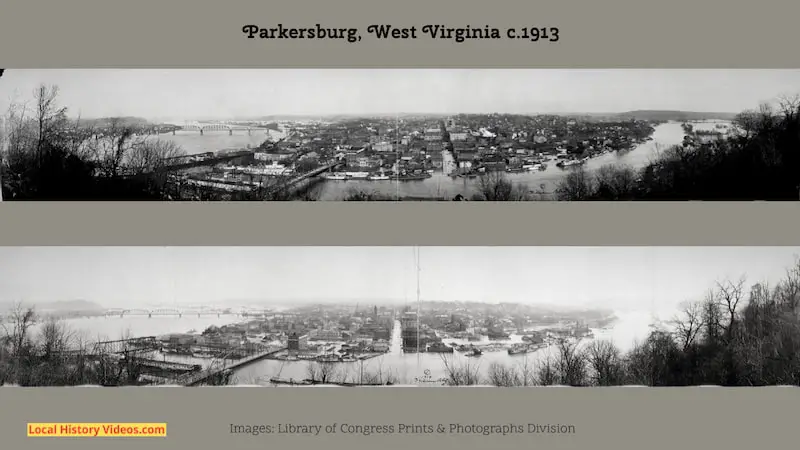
50	156
734	336
760	162
44	351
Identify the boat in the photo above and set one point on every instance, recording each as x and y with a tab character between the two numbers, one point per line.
520	349
533	339
378	177
411	177
517	350
440	348
336	176
474	352
570	163
290	381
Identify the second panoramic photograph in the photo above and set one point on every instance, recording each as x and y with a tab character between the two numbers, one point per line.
399	135
400	316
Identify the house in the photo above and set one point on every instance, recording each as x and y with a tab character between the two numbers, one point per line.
459	136
433	134
382	147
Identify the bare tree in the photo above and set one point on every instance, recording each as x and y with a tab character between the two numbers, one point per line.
501	375
55	339
460	374
712	318
571	364
688	324
21	320
322	372
547	375
48	115
748	121
730	295
615	182
150	155
789	289
789	106
496	187
606	363
576	186
526	370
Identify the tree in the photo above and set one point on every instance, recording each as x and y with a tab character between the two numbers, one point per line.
729	296
606	363
459	374
570	364
322	372
689	324
578	185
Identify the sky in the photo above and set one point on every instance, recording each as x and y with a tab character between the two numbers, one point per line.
618	278
182	94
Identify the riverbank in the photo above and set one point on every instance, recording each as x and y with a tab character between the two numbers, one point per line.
440	186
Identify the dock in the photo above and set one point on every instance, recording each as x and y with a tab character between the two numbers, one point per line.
194	379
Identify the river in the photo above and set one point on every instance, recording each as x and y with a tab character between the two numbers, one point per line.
440	185
423	368
426	368
192	142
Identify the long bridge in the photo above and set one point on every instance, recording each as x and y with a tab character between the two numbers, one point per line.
224	365
198	376
180	312
316	172
164	312
230	128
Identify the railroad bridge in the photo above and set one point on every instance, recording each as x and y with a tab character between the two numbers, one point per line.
203	127
164	312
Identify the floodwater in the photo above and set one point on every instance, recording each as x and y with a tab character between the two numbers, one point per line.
440	185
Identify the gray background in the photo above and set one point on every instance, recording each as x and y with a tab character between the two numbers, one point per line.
613	418
594	34
400	223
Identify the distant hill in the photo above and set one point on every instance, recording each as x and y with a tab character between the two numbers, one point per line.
657	115
63	306
121	121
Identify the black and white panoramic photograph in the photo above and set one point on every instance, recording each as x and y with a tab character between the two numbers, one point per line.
399	316
399	135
